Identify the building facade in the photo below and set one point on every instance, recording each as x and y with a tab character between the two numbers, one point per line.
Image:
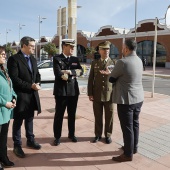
145	34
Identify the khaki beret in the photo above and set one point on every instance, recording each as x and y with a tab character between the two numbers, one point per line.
105	44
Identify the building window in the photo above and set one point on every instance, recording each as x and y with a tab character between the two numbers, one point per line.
145	50
114	53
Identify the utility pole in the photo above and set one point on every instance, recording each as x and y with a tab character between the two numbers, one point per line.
39	24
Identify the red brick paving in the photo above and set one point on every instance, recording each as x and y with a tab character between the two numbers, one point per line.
84	154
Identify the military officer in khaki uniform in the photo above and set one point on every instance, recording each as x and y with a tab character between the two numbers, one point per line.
100	92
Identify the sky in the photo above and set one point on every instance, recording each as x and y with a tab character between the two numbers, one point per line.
92	15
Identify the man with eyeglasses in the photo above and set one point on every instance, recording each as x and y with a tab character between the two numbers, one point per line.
22	68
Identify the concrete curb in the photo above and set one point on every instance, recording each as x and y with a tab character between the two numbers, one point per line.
158	75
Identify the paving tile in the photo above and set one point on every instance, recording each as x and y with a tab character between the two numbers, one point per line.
154	166
165	160
44	168
80	168
154	144
111	166
141	162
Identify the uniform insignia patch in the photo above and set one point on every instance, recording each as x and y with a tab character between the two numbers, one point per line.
74	64
96	66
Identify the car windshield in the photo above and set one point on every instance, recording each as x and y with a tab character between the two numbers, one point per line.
40	62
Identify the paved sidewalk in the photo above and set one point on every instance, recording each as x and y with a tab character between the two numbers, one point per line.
154	146
159	72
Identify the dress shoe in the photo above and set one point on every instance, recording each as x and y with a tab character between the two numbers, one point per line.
96	139
122	158
1	168
134	151
56	142
108	140
6	162
33	144
73	138
19	152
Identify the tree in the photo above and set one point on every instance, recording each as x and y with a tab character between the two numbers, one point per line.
51	49
90	52
9	50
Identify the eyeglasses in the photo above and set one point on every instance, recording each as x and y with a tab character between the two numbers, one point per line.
31	45
3	55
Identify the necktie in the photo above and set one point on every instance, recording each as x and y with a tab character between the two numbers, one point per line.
29	62
67	59
5	73
67	62
104	64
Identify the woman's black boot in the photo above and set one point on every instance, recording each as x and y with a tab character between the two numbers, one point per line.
1	168
6	162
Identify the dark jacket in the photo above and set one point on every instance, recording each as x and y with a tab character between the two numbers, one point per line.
22	79
69	87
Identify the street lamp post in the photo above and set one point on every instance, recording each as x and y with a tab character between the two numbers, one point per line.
7	31
39	23
155	44
135	16
19	27
154	57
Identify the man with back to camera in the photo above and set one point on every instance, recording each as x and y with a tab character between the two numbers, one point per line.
128	94
22	68
100	93
66	91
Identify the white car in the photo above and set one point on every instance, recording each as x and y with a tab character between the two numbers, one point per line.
45	68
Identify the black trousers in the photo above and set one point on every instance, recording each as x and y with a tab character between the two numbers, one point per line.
129	121
16	133
61	103
3	140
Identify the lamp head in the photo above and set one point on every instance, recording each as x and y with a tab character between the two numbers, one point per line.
167	16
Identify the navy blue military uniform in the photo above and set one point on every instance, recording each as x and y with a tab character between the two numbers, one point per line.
66	92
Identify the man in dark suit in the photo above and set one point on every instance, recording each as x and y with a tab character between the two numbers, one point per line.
100	93
129	96
66	90
22	68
